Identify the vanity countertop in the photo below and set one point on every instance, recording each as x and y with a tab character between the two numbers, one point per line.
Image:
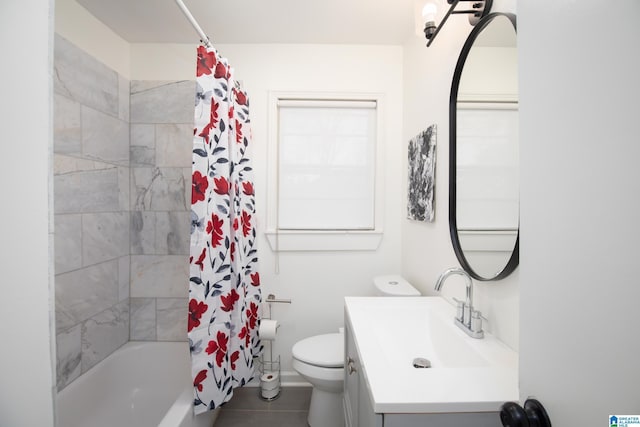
467	374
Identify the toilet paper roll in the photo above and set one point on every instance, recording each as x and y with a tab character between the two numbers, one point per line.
268	329
270	394
269	380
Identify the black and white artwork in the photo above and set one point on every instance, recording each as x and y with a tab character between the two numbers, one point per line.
422	168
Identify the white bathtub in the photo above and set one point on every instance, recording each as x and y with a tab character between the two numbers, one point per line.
142	384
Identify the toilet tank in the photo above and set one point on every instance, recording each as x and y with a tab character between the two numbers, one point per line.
394	286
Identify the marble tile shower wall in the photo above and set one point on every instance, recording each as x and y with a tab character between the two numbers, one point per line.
122	188
161	141
91	207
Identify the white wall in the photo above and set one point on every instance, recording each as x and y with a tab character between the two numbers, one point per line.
26	328
76	24
156	61
490	71
426	247
580	208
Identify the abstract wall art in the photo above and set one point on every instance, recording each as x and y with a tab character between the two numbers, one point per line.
422	167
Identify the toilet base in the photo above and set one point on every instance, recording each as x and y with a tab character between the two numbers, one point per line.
325	409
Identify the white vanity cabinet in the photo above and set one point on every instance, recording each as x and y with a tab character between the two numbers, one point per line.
358	409
383	389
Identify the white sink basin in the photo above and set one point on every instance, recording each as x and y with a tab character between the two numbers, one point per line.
426	333
466	374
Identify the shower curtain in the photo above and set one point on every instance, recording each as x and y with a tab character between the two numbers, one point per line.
224	285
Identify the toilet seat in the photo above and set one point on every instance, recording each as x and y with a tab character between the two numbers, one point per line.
325	351
323	378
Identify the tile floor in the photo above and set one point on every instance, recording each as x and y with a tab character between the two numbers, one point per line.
246	409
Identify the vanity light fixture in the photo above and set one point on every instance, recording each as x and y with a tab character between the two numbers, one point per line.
429	12
479	8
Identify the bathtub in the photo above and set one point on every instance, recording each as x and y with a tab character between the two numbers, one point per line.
142	384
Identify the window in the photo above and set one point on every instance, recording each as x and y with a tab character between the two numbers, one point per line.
324	171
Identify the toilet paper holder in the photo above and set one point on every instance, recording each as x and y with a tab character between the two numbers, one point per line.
270	380
272	298
269	370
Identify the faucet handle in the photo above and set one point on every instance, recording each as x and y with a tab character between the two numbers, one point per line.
476	321
460	308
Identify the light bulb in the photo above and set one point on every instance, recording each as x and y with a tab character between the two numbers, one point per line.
429	18
429	12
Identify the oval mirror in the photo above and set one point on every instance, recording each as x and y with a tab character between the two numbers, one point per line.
483	149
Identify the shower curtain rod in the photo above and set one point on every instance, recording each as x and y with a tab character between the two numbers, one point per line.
203	37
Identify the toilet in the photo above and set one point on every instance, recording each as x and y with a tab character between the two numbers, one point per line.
320	361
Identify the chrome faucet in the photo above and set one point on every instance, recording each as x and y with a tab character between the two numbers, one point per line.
467	318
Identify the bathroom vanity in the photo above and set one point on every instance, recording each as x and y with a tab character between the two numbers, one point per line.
467	381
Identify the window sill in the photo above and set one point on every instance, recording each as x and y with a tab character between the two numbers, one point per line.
488	240
287	241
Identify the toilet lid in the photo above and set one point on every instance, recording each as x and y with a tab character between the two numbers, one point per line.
321	350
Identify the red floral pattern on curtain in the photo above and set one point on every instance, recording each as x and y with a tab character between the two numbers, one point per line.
224	290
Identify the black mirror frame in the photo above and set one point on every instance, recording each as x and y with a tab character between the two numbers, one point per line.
453	100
